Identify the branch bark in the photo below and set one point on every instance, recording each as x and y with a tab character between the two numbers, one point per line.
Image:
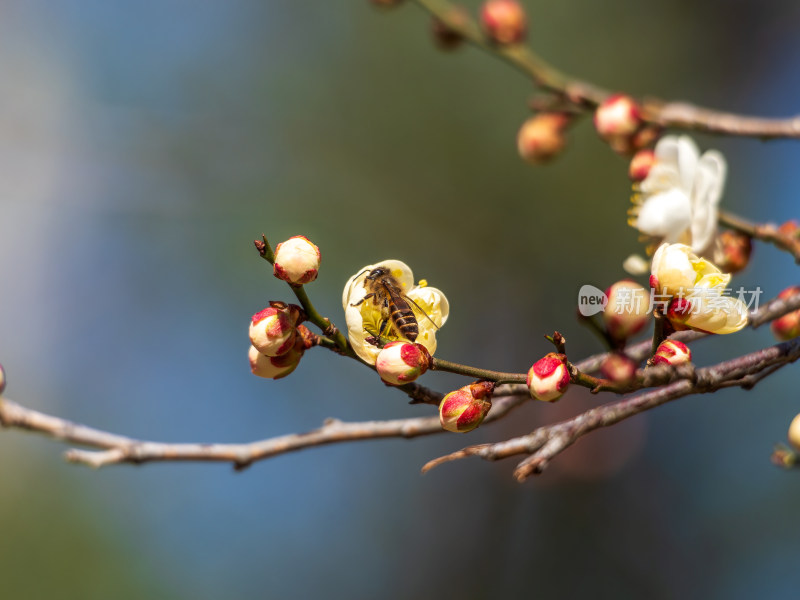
117	449
544	443
585	95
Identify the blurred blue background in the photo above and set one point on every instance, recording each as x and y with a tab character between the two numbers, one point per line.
144	145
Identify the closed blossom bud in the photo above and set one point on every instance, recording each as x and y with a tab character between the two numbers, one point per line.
618	368
626	312
465	409
2	379
444	36
794	433
787	327
672	352
679	310
296	260
272	330
617	118
504	21
732	251
541	138
640	165
789	228
276	367
548	378
402	362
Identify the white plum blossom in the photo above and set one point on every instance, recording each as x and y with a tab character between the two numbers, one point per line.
698	291
678	200
364	321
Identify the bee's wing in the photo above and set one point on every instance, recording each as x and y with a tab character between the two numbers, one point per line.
419	309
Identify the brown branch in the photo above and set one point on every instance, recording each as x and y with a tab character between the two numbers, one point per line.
765	232
544	443
582	94
116	449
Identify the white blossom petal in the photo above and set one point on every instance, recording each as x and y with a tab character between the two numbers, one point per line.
666	215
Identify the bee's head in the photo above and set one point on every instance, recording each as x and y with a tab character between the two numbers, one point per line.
376	273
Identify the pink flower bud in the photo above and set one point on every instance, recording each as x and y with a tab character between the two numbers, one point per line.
402	362
296	260
548	378
672	352
504	21
787	327
617	117
789	228
541	138
444	36
679	310
794	433
618	368
641	163
272	330
276	367
2	379
626	312
465	409
732	251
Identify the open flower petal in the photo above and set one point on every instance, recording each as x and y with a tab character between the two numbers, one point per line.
679	198
365	320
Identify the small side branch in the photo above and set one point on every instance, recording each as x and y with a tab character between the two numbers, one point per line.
583	95
544	443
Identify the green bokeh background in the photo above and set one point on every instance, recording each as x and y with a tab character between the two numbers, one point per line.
146	144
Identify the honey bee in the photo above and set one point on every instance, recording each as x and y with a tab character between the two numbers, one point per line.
387	293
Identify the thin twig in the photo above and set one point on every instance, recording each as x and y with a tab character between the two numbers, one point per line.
582	94
765	232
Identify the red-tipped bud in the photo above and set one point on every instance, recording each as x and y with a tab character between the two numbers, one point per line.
402	362
504	21
541	138
789	228
618	368
794	433
272	330
616	119
444	36
2	379
465	409
732	251
626	312
679	310
296	260
672	352
275	367
641	163
548	378
787	327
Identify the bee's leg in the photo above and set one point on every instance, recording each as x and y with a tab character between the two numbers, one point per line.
383	326
367	297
